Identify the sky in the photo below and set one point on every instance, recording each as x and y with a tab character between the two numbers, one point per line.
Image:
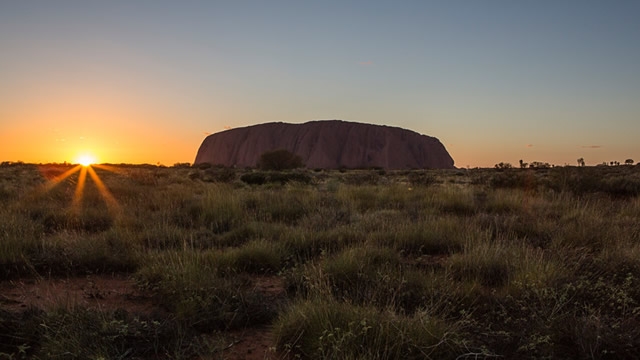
146	81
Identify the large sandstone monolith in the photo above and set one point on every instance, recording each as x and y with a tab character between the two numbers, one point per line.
327	144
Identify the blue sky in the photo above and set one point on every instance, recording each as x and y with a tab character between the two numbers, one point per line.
144	81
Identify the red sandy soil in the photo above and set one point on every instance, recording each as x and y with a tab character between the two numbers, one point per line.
101	292
250	344
256	343
120	292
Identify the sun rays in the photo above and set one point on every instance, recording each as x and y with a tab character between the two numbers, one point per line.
77	195
83	169
112	204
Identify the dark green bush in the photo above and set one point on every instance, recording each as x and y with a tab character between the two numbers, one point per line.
203	166
275	177
280	159
421	178
220	174
257	178
287	177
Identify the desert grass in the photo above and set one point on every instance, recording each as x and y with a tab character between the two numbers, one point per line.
514	263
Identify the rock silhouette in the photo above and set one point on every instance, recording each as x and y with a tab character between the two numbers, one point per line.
327	144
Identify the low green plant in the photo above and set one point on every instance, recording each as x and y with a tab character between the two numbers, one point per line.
515	179
217	209
258	257
455	201
322	330
199	289
307	245
438	236
81	333
279	159
488	264
421	178
257	178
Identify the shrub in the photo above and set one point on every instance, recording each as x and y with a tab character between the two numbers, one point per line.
373	277
490	265
81	333
287	177
622	186
583	181
203	166
255	257
220	174
421	178
197	288
333	330
280	205
19	234
252	178
362	177
455	202
276	177
71	253
280	159
252	230
525	180
6	192
282	178
503	165
307	245
442	236
217	210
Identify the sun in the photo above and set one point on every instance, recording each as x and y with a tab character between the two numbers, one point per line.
86	160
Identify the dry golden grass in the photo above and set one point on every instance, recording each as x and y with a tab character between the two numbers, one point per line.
408	264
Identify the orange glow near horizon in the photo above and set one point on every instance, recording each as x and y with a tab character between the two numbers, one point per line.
85	160
76	205
57	130
77	196
58	179
112	203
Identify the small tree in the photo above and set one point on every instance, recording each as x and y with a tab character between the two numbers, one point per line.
581	162
629	162
280	159
523	165
539	165
503	165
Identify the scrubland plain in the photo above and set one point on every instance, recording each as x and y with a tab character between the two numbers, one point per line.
206	263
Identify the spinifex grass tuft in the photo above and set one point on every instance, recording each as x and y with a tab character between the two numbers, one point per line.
322	330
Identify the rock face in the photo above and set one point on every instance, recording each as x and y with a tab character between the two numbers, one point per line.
327	144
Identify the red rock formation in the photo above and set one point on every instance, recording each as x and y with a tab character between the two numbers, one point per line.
327	144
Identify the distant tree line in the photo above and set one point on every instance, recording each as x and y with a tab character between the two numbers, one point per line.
546	165
524	165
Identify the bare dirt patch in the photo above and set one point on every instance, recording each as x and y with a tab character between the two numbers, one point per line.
95	291
256	343
250	344
115	292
